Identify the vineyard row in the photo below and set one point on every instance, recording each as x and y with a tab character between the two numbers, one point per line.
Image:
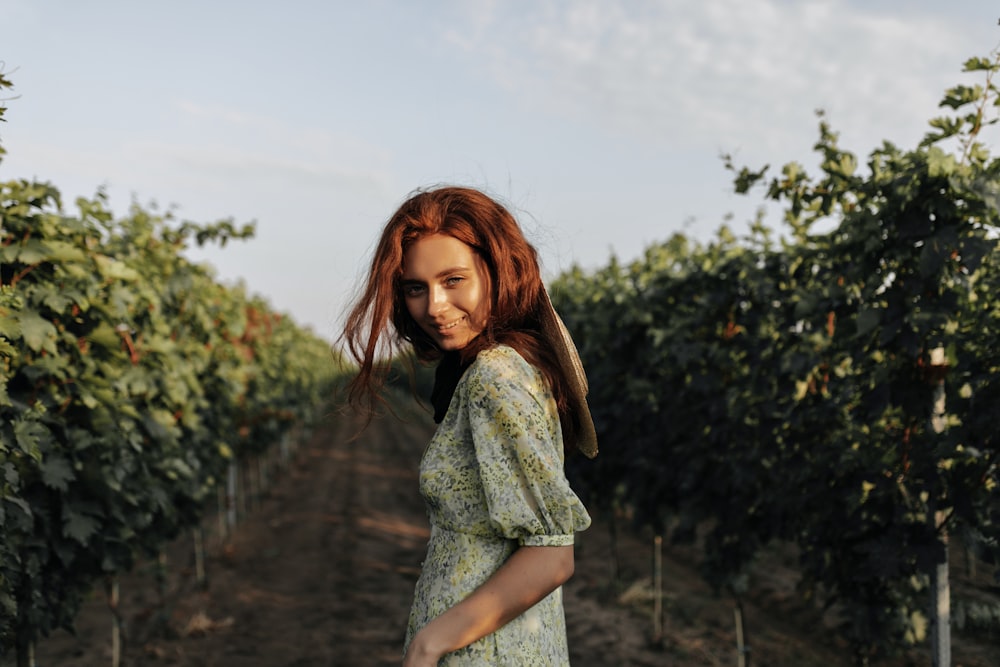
130	381
835	389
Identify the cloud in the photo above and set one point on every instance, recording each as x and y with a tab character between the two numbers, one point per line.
734	72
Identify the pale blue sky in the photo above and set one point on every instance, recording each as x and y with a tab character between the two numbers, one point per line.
600	122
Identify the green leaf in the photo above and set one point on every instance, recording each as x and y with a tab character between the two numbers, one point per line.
10	327
29	435
979	64
10	475
959	96
939	163
32	252
7	350
58	301
79	526
113	269
932	258
105	336
8	253
65	252
948	126
21	505
56	473
868	320
38	332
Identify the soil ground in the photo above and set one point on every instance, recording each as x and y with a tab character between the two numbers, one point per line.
321	573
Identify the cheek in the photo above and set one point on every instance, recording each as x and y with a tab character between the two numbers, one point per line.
483	308
413	307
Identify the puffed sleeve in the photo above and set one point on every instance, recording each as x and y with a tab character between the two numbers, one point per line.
518	444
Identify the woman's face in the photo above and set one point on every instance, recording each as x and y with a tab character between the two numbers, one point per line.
446	289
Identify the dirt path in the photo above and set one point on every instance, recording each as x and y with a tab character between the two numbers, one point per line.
322	574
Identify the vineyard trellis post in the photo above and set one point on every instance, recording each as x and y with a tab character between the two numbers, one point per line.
742	650
198	542
232	476
940	583
113	597
658	590
25	653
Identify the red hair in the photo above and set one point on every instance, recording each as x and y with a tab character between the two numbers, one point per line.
516	301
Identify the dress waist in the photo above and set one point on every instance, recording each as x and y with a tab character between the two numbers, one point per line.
479	532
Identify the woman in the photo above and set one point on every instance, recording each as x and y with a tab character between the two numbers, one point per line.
456	279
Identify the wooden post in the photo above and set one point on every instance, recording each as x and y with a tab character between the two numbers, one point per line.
116	621
940	585
231	484
283	448
198	538
940	601
258	481
264	470
742	651
970	557
222	514
243	489
162	616
249	486
26	653
657	589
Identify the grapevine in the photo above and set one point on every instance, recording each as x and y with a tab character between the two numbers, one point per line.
129	379
759	391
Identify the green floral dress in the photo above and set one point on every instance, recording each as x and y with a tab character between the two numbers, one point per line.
492	478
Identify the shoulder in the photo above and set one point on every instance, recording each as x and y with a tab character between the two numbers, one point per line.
501	360
503	365
503	388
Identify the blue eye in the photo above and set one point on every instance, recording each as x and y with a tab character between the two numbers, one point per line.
412	290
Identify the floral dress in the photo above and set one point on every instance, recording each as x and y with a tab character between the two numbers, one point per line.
492	478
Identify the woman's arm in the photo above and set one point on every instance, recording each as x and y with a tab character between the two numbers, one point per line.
525	578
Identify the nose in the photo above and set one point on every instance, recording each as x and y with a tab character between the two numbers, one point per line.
437	302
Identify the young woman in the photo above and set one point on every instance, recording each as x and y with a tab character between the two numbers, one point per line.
454	278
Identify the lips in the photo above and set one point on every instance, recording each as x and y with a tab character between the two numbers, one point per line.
443	328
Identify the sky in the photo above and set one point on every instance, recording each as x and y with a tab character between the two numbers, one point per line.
600	123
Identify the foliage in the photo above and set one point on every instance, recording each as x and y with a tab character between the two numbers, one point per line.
5	84
782	389
129	378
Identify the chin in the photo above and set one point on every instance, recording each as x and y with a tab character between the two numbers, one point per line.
453	345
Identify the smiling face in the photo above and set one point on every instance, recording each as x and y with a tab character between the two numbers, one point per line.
446	289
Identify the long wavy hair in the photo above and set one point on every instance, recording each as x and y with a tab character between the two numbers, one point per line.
516	300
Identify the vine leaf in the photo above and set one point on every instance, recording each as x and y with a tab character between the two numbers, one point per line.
56	472
10	328
79	527
21	505
28	434
868	319
38	333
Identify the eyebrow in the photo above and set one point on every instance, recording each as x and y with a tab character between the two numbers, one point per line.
441	274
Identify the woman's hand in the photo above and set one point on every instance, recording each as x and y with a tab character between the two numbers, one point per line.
419	654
